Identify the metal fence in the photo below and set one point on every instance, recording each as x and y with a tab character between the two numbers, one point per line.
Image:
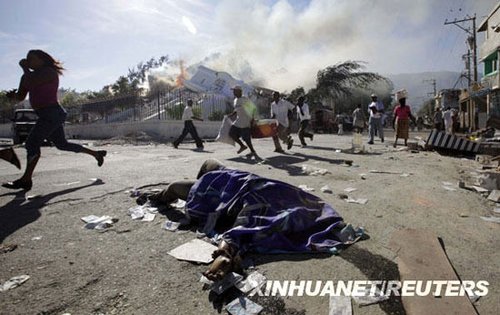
162	105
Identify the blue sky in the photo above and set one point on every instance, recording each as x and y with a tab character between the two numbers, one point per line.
283	42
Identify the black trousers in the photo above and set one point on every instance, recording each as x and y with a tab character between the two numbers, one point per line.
303	131
189	128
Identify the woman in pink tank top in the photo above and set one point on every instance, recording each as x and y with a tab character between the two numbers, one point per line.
40	80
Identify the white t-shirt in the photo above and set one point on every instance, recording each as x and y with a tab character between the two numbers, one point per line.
305	110
447	117
280	111
379	106
245	112
188	113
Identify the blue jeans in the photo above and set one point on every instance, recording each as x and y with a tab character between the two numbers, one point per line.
49	126
375	124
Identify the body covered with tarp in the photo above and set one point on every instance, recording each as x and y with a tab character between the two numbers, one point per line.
264	215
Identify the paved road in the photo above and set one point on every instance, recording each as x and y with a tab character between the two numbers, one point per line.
127	270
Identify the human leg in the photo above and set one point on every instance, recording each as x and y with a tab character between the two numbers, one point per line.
235	134
194	134
10	156
371	130
302	131
181	137
59	139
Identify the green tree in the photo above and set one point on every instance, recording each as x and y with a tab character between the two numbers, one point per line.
337	81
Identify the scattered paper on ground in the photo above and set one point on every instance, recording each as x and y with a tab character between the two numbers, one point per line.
361	201
195	250
306	188
350	189
94	222
326	189
314	171
252	281
491	219
243	306
340	305
227	282
14	282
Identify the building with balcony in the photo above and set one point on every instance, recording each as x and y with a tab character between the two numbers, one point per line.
489	53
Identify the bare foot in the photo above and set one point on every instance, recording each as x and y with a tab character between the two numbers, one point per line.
219	268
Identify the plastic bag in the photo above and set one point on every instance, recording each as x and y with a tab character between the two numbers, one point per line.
223	135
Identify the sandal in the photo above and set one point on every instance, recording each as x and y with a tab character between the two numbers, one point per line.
100	157
18	184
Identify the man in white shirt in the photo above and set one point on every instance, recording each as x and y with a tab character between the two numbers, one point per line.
279	111
245	112
304	117
187	117
448	121
376	111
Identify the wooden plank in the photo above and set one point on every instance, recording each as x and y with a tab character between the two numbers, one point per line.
421	257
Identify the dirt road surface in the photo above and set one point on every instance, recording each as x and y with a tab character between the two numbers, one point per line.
126	270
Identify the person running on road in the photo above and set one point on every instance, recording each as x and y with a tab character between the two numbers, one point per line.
304	117
279	111
41	81
245	112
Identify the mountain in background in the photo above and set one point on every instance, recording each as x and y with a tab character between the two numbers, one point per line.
419	85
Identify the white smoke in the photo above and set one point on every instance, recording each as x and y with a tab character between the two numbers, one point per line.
284	46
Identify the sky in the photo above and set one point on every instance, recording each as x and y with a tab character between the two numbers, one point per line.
280	44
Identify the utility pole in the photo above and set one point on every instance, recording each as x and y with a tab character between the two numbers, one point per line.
434	93
471	40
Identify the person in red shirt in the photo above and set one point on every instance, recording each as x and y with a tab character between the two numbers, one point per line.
41	80
402	116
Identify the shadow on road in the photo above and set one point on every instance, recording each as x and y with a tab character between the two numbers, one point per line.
376	267
20	212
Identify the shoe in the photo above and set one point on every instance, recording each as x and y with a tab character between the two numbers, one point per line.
175	145
279	151
200	148
100	157
243	148
17	184
370	142
290	144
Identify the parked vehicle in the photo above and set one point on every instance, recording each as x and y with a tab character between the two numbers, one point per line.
24	120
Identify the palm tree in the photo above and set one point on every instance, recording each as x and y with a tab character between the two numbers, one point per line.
337	81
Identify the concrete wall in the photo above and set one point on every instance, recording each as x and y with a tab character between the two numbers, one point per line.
165	129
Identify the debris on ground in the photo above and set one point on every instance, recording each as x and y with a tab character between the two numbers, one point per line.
368	298
251	282
386	172
449	186
326	189
94	222
491	219
361	201
340	305
195	250
171	225
13	282
36	238
314	171
441	140
306	188
145	212
5	248
243	306
350	189
494	196
225	283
